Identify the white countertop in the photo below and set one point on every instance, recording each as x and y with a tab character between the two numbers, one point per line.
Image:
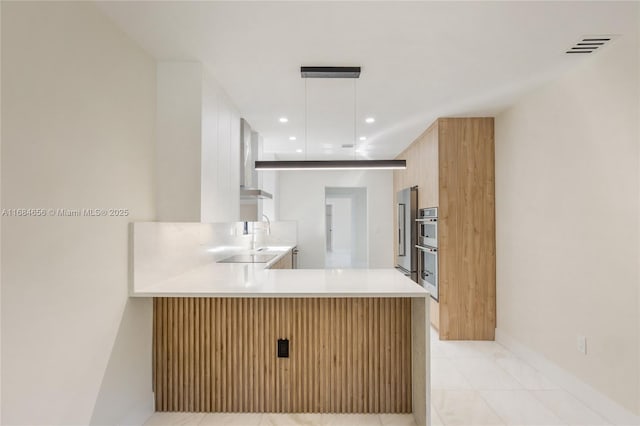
253	280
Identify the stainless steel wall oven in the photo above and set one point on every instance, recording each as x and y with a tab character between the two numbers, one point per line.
427	221
427	246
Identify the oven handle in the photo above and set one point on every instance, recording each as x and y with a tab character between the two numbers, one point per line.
429	249
426	274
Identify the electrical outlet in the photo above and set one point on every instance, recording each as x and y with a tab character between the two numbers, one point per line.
582	344
283	348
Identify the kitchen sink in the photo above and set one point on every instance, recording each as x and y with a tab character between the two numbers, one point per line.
248	258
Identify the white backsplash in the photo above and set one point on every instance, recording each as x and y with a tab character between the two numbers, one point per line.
162	250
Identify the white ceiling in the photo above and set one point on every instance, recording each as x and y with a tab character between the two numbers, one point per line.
420	60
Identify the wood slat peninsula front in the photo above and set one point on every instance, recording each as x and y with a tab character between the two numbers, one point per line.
347	355
452	163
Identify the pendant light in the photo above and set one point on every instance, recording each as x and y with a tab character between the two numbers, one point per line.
355	164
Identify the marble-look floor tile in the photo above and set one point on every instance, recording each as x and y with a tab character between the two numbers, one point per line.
351	420
492	349
444	375
519	408
484	373
456	349
291	419
436	351
470	349
529	377
231	419
397	420
435	418
463	408
174	419
569	409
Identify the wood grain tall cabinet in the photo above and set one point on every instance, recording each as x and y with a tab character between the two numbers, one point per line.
452	163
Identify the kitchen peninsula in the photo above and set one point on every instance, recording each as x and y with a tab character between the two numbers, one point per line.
241	337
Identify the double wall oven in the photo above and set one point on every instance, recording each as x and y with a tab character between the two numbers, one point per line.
427	245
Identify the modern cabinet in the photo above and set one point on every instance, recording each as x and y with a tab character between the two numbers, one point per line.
452	163
346	355
285	262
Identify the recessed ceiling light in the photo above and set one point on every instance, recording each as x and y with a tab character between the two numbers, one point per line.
369	120
292	138
298	150
283	119
363	138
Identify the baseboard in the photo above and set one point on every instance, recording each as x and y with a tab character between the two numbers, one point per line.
593	398
140	413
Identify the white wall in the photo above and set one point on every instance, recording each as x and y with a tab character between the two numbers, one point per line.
638	259
179	136
270	183
567	208
0	232
302	198
78	105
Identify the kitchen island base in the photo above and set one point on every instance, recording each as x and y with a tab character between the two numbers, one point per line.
346	355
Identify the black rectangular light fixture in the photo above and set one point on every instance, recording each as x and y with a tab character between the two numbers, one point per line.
332	165
330	72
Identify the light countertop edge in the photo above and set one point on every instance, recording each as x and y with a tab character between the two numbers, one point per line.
283	295
241	280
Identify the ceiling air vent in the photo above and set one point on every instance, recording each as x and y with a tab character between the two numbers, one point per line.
589	44
347	145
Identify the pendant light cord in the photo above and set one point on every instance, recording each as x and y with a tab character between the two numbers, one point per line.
306	124
355	122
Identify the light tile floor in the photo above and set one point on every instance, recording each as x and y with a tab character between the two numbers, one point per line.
472	384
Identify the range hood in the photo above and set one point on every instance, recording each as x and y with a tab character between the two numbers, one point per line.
248	152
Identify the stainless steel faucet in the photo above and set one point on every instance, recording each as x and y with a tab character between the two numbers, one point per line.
268	224
254	228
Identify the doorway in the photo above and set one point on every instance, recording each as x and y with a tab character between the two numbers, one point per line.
346	228
328	230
